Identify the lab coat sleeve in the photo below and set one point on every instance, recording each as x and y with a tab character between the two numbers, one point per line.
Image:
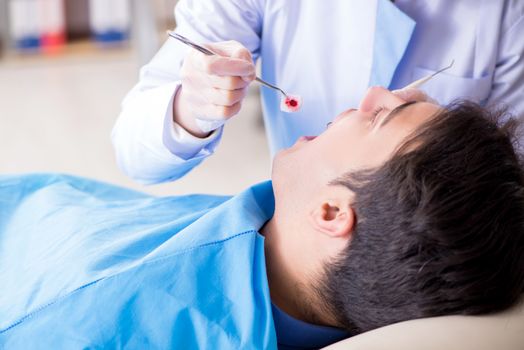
508	78
148	147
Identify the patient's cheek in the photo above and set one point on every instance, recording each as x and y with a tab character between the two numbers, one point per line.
291	103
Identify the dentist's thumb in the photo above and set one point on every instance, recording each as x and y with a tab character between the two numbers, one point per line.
411	94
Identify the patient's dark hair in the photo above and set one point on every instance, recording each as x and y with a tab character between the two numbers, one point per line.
440	226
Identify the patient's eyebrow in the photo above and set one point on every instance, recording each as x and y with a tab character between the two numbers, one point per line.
395	112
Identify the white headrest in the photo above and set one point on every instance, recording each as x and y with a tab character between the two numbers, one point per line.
502	331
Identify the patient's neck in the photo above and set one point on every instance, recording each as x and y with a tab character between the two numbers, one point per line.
288	285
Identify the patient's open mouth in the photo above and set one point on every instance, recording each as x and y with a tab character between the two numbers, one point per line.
306	138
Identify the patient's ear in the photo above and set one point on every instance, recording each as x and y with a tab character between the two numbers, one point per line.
334	218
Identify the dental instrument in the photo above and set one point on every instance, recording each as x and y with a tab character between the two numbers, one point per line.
211	53
421	81
417	83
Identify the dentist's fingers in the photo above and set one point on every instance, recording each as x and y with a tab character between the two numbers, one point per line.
198	90
231	59
244	54
411	94
378	96
205	80
221	112
213	87
222	97
223	66
226	83
203	109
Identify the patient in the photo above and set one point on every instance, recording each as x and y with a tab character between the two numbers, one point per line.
400	210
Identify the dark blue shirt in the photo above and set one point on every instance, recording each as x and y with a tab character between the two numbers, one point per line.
293	334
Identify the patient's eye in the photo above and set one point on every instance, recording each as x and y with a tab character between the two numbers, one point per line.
376	112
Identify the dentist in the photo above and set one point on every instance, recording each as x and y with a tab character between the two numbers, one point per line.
327	52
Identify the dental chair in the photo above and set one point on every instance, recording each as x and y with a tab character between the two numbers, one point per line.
502	331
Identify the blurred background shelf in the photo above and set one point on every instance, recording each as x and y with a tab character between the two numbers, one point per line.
78	50
57	109
140	24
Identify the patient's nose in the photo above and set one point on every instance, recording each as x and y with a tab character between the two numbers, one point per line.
378	97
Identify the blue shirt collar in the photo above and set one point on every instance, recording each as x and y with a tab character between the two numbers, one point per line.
296	334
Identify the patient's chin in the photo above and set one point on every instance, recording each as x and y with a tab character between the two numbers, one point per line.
289	165
282	167
276	166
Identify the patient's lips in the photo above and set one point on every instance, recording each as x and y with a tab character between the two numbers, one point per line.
290	103
306	138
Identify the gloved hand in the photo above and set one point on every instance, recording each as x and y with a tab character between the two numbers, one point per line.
213	87
411	94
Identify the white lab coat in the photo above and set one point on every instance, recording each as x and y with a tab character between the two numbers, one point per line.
329	52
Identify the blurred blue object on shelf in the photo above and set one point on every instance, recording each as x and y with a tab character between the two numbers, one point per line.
24	27
110	20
